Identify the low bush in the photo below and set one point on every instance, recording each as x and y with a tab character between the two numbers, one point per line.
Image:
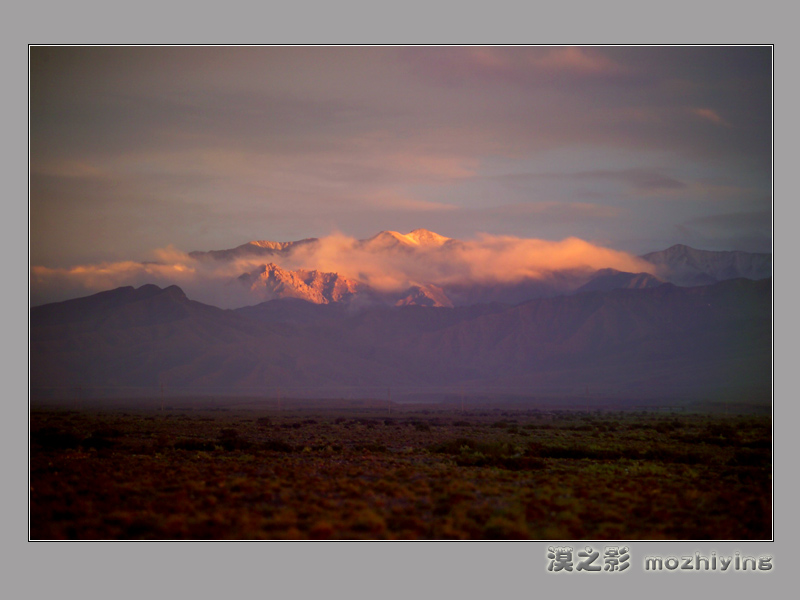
470	453
195	445
746	457
230	439
276	446
379	448
50	438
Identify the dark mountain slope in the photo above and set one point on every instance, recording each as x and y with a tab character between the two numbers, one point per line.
128	337
701	337
656	341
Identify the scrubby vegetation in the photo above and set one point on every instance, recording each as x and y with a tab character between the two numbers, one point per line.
431	474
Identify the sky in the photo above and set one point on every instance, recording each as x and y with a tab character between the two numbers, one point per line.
141	152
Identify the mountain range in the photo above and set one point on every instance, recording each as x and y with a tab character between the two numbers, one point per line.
313	286
680	265
664	341
687	266
694	323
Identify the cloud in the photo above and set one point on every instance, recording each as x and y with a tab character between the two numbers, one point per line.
644	180
508	259
575	60
73	169
639	179
749	231
555	212
709	115
520	66
392	200
383	263
134	148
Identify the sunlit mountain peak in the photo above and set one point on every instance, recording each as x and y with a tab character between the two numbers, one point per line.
418	237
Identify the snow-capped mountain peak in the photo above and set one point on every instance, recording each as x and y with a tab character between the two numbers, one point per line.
418	237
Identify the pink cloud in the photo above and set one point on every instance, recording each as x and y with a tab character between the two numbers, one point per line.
709	115
387	267
580	61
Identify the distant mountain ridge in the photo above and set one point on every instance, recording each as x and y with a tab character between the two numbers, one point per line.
383	240
686	266
415	238
312	286
679	264
425	295
250	249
